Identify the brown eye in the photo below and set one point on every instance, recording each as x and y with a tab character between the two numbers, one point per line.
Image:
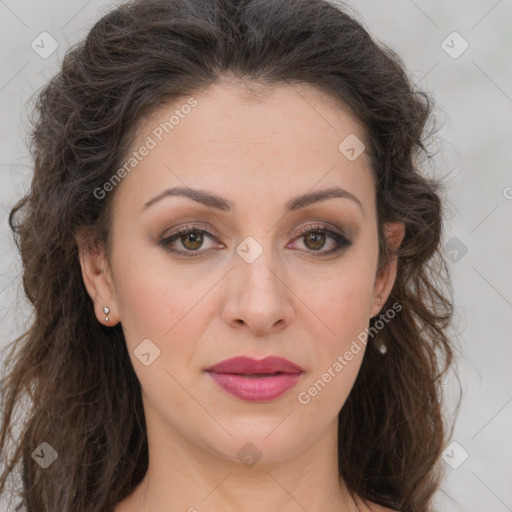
192	240
314	240
187	241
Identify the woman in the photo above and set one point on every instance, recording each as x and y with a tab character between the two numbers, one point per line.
233	258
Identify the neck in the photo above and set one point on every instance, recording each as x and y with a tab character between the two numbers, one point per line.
185	477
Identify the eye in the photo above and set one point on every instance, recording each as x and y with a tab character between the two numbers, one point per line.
315	239
190	237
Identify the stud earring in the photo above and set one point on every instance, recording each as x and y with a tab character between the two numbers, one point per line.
106	311
379	299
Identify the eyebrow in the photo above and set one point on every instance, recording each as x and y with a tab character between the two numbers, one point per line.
213	201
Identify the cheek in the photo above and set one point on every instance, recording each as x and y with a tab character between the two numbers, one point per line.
161	304
347	319
342	301
339	347
149	297
341	305
347	300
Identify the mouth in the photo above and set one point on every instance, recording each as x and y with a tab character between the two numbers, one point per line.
256	381
256	375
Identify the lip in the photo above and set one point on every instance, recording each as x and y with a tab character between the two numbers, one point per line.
248	365
231	376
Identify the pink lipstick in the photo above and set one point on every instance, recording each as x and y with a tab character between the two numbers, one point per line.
256	380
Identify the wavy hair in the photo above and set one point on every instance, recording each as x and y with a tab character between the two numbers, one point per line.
71	378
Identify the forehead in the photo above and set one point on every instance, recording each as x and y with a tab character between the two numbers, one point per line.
250	140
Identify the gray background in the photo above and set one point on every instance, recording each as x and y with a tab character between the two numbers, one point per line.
473	94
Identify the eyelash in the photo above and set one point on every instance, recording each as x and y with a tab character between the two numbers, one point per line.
341	241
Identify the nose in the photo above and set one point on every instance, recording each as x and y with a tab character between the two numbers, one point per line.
258	295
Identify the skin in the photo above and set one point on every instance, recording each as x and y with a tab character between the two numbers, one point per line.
257	151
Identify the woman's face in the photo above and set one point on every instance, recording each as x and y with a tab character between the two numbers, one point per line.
245	280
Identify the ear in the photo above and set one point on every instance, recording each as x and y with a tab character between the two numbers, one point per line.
97	278
395	232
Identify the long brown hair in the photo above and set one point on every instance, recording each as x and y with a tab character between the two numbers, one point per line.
71	378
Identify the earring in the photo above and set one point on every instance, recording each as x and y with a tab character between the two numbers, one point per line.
381	348
106	311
